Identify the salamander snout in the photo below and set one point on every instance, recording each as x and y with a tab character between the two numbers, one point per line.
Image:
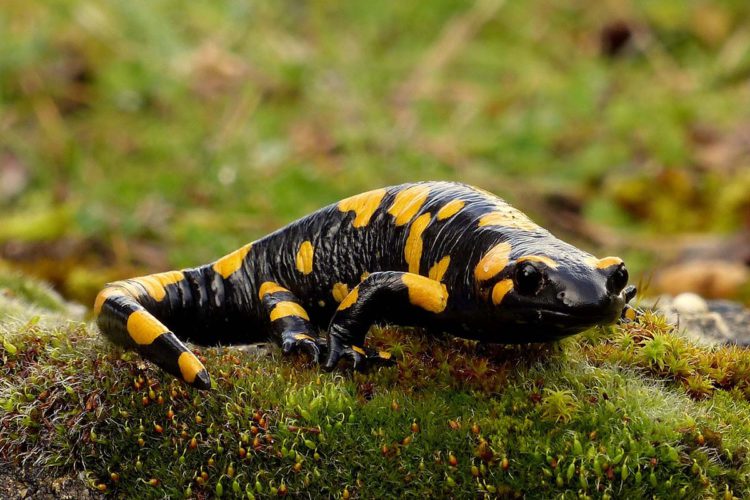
592	294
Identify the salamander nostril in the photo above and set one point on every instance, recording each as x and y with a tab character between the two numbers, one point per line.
617	281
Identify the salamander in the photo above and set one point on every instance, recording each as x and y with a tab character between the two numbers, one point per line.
440	255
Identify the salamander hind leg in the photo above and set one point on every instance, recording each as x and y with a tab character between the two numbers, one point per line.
385	297
290	324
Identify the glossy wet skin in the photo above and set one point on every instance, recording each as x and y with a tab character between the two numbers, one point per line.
547	303
440	255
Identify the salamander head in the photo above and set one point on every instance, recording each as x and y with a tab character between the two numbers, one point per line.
545	298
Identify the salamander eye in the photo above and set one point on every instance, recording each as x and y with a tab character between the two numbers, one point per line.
617	280
527	279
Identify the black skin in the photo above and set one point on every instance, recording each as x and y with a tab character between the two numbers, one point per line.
562	293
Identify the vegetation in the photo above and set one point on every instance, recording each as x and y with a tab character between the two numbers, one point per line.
632	411
141	136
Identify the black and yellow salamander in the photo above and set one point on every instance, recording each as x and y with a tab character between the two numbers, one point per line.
442	255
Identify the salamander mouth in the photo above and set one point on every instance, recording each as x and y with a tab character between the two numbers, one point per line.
585	317
566	321
571	322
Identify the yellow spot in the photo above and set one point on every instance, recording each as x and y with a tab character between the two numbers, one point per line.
231	263
270	287
155	283
350	299
340	291
500	289
103	296
407	203
428	294
450	209
304	259
384	354
359	350
364	276
285	308
509	217
437	271
603	263
363	205
144	328
493	262
190	367
413	248
630	313
538	258
302	336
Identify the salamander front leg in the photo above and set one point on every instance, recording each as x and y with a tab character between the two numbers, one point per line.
290	324
629	313
391	297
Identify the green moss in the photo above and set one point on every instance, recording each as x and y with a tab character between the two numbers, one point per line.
595	416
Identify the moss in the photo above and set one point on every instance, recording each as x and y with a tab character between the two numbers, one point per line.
592	416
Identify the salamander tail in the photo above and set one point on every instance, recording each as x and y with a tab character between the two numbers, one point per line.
122	318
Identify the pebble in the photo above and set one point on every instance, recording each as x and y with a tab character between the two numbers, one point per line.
712	322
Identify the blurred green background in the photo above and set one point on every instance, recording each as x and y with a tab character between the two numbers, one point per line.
141	136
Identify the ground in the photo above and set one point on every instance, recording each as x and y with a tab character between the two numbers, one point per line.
633	410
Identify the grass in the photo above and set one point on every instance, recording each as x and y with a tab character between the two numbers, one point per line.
610	413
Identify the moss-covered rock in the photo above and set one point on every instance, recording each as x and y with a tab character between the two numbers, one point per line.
631	411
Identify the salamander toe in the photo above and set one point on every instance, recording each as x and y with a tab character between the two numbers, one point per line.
302	343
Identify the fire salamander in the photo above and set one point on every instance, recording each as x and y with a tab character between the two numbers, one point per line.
442	255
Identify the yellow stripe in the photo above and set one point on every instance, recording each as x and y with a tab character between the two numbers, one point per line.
538	258
413	247
407	203
144	328
384	354
190	367
302	336
425	293
500	289
350	299
438	270
450	209
103	296
270	287
493	261
231	263
155	283
340	291
363	205
603	263
130	287
359	350
286	308
304	260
